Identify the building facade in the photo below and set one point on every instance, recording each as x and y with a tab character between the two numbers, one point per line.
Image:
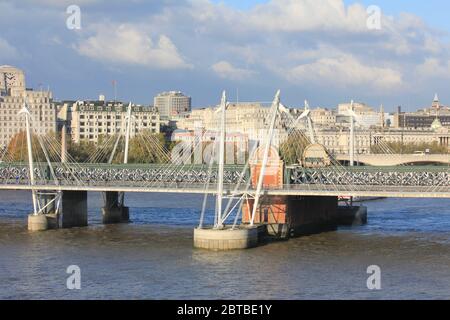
13	95
323	117
171	104
423	118
92	120
251	119
248	118
366	116
337	140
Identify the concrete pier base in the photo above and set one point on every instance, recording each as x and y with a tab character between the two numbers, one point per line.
37	222
226	239
351	215
115	215
74	209
113	212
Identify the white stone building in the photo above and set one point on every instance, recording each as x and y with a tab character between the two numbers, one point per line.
337	140
366	116
249	118
323	117
90	120
13	94
171	104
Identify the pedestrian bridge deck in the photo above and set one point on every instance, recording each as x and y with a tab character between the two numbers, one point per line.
405	181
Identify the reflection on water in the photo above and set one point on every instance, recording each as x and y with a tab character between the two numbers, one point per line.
153	256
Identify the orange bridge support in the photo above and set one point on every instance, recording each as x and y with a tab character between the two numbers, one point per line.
288	216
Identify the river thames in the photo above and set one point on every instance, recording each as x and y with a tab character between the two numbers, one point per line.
153	257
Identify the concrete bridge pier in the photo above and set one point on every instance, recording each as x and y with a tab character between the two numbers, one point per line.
227	238
113	211
74	209
49	202
48	218
37	222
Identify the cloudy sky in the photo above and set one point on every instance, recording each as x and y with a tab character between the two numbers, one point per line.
320	50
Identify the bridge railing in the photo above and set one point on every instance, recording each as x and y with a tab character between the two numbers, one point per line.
229	189
145	176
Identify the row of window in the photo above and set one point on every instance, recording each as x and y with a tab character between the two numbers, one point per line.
117	124
117	129
30	100
117	117
95	136
39	118
14	109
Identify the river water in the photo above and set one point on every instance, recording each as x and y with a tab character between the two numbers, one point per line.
153	258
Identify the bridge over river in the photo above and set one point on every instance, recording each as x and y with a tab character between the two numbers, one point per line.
265	192
397	159
402	181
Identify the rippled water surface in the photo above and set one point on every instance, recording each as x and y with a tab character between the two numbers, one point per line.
153	257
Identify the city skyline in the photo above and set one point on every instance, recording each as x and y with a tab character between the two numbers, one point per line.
190	46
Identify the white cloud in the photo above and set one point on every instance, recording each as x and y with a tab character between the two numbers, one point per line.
130	44
325	44
226	70
308	39
345	71
432	45
307	15
7	51
63	3
433	68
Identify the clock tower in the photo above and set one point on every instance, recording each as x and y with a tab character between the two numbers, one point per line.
12	81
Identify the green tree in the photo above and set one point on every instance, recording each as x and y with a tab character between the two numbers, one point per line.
145	147
291	150
17	148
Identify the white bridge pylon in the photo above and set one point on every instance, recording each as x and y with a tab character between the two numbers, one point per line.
237	197
39	207
274	111
129	118
221	215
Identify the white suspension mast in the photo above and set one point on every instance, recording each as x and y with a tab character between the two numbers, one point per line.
63	145
27	114
307	114
274	110
219	199
128	119
128	133
352	135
